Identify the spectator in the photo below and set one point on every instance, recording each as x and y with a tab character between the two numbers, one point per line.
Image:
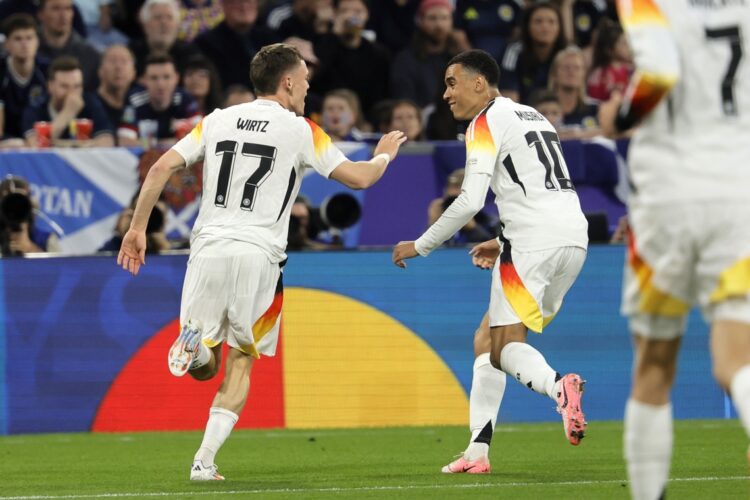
156	236
97	16
59	39
65	108
301	227
417	72
350	61
568	82
198	16
19	233
237	94
581	17
233	43
525	65
126	18
473	231
547	103
393	22
157	114
488	25
406	117
309	19
31	7
342	115
22	80
201	81
116	76
160	20
121	227
612	61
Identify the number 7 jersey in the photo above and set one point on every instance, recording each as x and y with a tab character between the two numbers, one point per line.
254	156
695	145
520	150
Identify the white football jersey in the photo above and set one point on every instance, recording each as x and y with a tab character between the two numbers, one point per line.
695	145
254	159
520	150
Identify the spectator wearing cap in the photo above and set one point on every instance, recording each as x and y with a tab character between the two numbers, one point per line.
348	60
160	20
58	39
417	72
67	103
157	114
22	78
232	44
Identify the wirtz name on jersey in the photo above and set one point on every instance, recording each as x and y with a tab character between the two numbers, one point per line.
252	125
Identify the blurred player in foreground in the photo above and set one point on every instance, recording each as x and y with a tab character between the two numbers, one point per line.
254	157
689	212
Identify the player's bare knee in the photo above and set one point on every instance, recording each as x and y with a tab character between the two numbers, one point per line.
495	359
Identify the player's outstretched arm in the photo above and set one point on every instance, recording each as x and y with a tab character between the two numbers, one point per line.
133	250
363	174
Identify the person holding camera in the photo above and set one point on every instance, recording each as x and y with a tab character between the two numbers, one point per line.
19	234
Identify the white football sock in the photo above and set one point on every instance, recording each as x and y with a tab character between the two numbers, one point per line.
203	357
740	388
487	389
648	448
220	424
529	367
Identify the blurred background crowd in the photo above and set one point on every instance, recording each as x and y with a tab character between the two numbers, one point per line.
141	73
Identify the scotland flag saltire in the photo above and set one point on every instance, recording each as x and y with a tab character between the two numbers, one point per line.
81	191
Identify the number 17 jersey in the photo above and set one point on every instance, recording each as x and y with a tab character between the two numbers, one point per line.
254	157
520	150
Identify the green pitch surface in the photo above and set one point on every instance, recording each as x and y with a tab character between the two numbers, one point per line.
529	461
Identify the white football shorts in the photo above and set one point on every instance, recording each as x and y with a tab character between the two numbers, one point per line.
529	287
234	299
684	255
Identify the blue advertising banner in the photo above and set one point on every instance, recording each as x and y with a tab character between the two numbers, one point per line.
72	327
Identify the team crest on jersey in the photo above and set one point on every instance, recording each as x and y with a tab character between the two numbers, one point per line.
36	95
128	116
583	22
471	14
589	122
506	13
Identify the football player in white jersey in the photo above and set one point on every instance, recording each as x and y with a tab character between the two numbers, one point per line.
254	157
514	150
690	240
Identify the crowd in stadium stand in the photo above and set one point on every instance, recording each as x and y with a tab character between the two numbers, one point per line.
143	72
154	64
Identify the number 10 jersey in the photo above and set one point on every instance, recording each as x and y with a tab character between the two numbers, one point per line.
254	157
520	150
